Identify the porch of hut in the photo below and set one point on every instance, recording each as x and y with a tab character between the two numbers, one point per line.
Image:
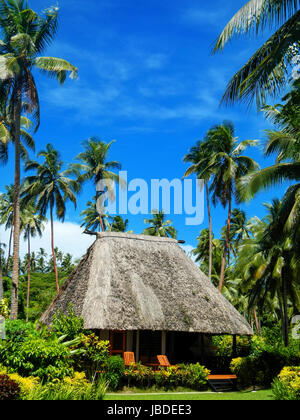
179	347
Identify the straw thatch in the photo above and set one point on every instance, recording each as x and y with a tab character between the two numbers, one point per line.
134	282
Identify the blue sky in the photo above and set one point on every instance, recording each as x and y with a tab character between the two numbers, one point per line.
147	79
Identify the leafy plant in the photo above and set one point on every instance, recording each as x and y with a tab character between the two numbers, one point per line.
287	385
69	325
9	389
115	371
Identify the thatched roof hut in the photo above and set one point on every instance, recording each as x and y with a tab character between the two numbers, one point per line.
131	282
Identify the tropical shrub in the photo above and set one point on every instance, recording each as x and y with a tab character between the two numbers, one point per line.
261	369
192	376
9	389
93	354
62	391
4	308
114	371
287	385
224	345
37	357
69	325
19	331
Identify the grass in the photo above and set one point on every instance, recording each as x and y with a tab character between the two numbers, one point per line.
208	396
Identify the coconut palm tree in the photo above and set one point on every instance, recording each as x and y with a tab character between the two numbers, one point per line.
200	156
24	37
228	165
6	216
267	264
32	224
119	224
50	188
94	167
267	70
41	260
26	140
159	226
239	230
2	247
91	220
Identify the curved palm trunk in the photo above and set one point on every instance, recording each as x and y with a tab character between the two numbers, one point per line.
210	232
101	223
227	244
9	250
28	276
17	99
53	251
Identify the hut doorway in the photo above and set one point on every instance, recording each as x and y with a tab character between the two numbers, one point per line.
117	343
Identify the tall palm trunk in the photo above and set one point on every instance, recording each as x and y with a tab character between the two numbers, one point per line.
227	244
17	105
9	250
1	279
285	320
53	250
210	231
28	275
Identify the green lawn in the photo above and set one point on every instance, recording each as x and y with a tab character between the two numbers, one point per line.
209	396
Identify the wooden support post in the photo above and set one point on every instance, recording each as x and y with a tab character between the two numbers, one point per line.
234	347
163	342
137	348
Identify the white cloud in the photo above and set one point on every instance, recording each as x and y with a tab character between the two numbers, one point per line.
188	250
68	237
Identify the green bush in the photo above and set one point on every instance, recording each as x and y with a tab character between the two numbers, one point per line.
224	345
192	376
115	369
69	325
65	392
9	389
287	386
37	357
93	354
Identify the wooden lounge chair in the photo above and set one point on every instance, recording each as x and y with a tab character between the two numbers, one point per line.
163	361
129	358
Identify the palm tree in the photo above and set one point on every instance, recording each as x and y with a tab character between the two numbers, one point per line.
41	260
159	226
200	156
266	71
26	140
285	143
67	263
119	224
7	215
2	247
201	252
32	224
95	167
25	35
91	219
239	230
228	165
266	262
50	188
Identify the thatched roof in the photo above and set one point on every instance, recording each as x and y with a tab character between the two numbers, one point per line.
134	282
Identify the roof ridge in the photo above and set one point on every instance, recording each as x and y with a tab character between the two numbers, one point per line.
135	237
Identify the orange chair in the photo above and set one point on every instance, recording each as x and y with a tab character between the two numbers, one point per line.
129	358
163	361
